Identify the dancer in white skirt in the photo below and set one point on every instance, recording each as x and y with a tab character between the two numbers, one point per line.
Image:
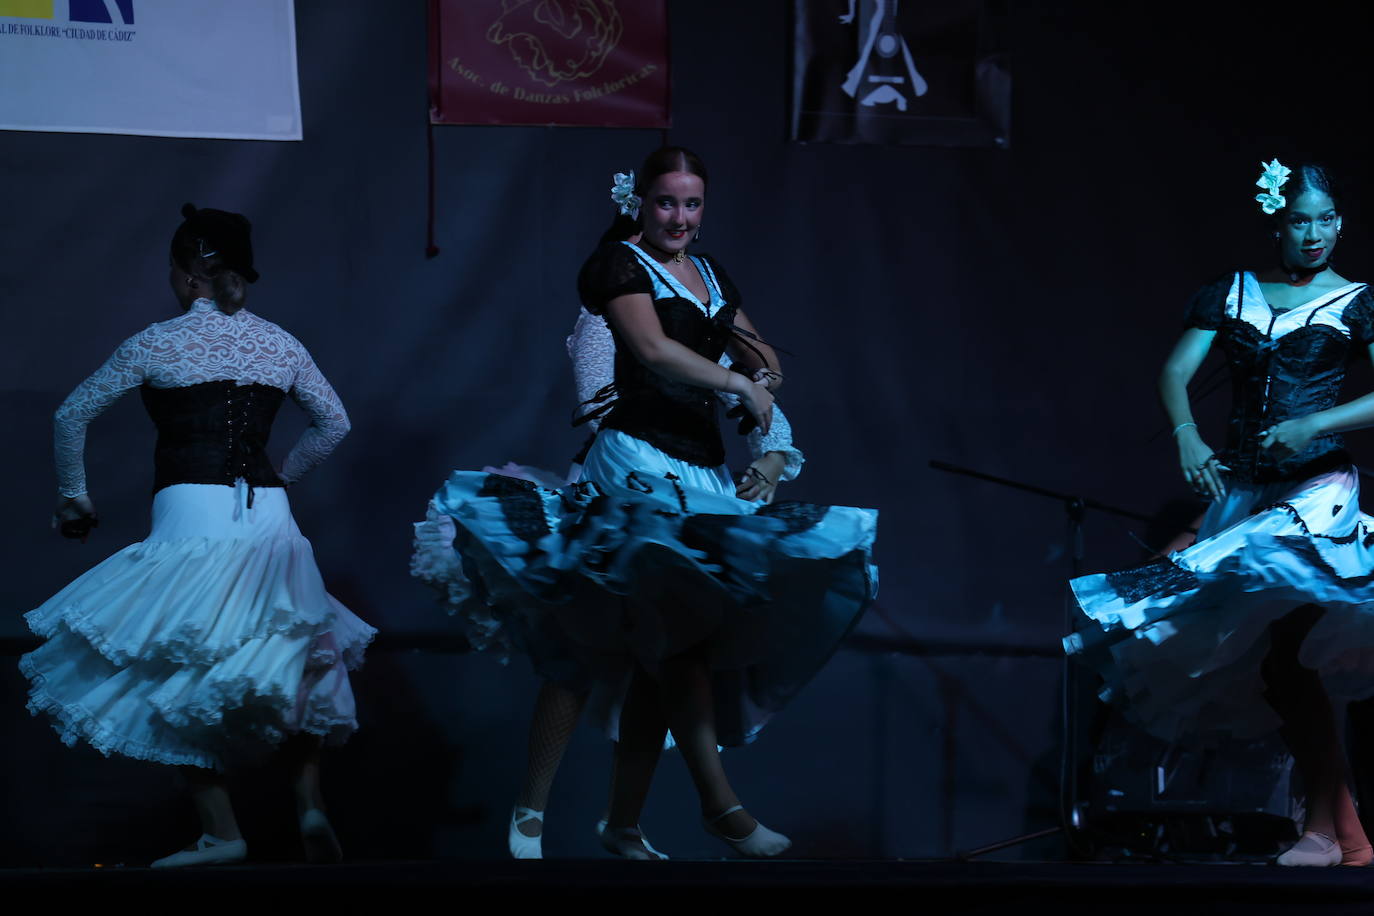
1270	614
214	639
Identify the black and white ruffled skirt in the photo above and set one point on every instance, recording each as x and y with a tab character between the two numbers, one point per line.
1179	642
644	558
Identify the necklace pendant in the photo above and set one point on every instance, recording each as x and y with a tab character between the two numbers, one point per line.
680	256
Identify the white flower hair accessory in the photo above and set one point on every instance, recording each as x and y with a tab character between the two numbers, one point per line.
623	193
1274	176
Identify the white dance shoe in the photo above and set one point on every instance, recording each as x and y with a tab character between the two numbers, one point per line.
521	846
1313	850
628	843
317	836
210	850
761	843
601	832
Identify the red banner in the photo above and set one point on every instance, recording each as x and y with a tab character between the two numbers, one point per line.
585	63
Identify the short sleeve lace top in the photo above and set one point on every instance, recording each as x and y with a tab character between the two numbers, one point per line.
675	417
592	351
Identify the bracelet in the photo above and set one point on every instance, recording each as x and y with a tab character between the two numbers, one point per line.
1183	426
767	378
758	475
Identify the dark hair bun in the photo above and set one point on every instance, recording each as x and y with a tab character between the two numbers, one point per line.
228	235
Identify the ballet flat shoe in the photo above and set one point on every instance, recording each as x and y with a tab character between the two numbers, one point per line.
760	843
317	836
629	843
1323	851
210	850
601	828
521	846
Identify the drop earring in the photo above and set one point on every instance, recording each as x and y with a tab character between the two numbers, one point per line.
696	236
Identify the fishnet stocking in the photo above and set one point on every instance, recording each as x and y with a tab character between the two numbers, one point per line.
556	712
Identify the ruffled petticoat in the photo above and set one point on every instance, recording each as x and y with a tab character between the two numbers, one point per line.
212	639
645	558
1180	641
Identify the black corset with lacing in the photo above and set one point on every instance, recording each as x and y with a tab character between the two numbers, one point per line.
1281	378
1298	374
674	417
214	432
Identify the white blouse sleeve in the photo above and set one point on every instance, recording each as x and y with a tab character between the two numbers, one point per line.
124	370
592	351
328	419
779	438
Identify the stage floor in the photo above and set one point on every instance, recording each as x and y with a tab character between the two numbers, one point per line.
937	887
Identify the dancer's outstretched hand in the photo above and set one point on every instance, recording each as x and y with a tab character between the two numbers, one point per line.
1201	467
1285	439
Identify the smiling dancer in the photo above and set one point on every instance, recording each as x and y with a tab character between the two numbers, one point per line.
214	639
723	608
558	709
1271	611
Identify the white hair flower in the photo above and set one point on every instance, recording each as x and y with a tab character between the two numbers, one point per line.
1274	176
623	193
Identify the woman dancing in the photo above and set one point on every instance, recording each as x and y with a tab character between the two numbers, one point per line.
1271	611
724	608
214	638
557	708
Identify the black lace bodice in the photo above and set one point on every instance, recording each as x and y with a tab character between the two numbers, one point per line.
214	432
1283	365
674	417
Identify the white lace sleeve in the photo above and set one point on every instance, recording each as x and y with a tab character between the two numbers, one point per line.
592	351
779	438
124	370
328	420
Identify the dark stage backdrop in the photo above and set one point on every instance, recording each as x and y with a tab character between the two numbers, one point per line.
1006	310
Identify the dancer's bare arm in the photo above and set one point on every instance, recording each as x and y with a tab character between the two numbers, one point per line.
1196	459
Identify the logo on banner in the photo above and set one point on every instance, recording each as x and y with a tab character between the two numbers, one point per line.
885	72
600	63
81	15
99	11
557	40
901	71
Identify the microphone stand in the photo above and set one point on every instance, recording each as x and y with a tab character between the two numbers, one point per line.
1070	808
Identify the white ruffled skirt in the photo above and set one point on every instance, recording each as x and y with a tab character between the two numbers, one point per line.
211	640
1179	642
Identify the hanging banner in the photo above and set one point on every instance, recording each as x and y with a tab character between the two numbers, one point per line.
585	63
162	68
931	72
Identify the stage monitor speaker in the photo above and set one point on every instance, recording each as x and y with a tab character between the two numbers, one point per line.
1152	797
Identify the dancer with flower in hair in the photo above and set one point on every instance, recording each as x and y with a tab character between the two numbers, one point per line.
212	641
1270	613
717	609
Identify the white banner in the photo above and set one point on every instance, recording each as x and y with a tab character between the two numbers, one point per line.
161	68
